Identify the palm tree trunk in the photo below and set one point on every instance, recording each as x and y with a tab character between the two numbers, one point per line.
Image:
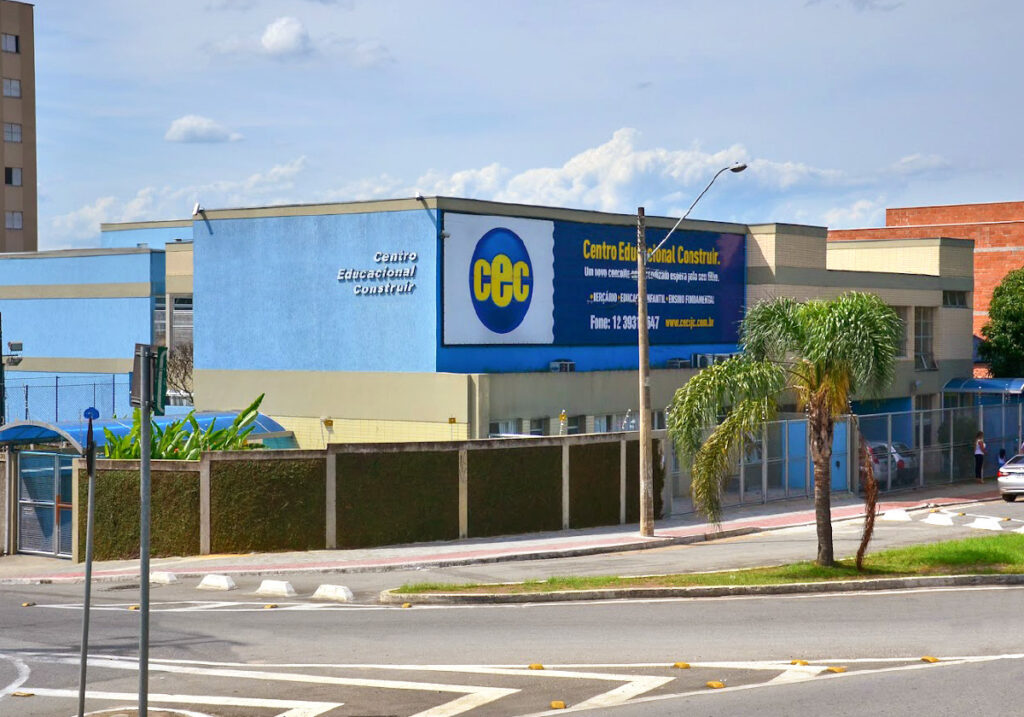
820	425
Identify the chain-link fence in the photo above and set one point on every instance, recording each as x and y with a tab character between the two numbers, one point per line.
909	449
55	399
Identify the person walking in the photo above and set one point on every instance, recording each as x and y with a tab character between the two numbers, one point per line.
979	455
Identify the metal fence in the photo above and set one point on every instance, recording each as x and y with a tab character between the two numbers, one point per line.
910	449
64	399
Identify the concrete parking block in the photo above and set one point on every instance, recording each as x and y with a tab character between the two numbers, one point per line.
334	593
276	588
217	582
985	523
163	578
898	515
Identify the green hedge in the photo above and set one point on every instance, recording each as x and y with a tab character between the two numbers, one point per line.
266	505
633	480
389	498
594	484
174	513
515	490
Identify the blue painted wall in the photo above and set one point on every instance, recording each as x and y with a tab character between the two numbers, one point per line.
508	359
78	328
154	237
98	269
267	294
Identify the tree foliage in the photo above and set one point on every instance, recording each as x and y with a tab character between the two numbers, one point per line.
179	370
1003	344
823	351
184	440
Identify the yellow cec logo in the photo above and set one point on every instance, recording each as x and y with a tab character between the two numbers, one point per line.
501	280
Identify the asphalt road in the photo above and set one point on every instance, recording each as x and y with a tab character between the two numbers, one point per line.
227	654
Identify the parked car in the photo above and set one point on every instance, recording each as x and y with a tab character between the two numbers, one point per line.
1011	478
901	464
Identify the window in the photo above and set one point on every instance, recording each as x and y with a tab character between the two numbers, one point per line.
160	320
924	332
12	132
12	176
503	428
9	43
12	88
181	320
902	312
575	425
956	299
12	220
538	426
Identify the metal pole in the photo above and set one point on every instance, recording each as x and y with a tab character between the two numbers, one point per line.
646	468
56	399
888	450
144	495
26	401
920	449
764	462
90	458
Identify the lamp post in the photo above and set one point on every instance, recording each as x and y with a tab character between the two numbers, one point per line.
642	255
11	359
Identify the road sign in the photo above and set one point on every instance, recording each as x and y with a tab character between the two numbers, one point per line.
158	376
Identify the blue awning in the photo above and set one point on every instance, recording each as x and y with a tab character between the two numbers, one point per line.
985	385
73	433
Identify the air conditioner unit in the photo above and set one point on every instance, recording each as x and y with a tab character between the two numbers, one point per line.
702	360
562	366
679	363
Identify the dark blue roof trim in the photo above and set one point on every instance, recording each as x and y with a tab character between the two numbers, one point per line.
985	385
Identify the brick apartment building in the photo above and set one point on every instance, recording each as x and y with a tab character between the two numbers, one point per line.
997	230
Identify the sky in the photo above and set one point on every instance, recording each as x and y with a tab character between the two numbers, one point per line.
841	108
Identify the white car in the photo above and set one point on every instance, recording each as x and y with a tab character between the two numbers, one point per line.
1011	478
902	461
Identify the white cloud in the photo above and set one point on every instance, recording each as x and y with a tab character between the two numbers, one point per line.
917	164
286	37
81	226
861	213
195	128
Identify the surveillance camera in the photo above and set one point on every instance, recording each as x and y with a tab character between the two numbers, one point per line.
195	210
419	197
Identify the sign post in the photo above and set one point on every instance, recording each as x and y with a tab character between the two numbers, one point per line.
149	383
90	462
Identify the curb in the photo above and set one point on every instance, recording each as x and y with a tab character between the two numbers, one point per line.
656	542
391	597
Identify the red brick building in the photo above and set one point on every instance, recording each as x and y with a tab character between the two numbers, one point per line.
997	230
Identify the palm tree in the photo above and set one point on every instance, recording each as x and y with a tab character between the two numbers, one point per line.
823	351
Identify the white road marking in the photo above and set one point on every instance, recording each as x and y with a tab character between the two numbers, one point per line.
295	708
23	673
475	695
205	606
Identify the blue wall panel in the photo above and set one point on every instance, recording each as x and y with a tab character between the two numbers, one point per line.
98	269
268	297
154	237
506	359
78	328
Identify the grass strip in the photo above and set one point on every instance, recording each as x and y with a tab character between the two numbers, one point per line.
990	554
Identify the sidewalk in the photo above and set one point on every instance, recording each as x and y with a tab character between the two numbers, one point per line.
26	569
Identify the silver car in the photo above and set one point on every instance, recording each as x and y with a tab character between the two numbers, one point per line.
1011	478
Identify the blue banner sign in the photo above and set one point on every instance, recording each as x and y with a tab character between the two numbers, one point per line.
526	281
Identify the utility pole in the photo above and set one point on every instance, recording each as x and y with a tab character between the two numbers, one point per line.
642	255
646	465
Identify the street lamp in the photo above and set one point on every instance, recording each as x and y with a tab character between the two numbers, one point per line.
11	359
642	255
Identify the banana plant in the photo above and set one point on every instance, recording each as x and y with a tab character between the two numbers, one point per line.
184	439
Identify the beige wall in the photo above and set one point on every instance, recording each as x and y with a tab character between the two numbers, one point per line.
418	397
179	267
934	257
16	19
